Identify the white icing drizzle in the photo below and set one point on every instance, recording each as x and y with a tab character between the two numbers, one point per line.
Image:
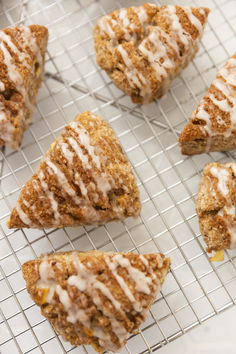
154	58
120	331
134	77
66	151
50	195
232	165
223	105
112	265
74	314
163	64
192	18
83	189
228	210
22	215
176	26
225	82
30	40
222	175
142	282
84	140
102	181
202	11
126	24
232	230
86	281
105	27
15	75
144	260
25	203
2	86
62	180
79	152
142	14
103	184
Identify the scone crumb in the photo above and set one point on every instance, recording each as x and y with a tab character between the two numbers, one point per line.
218	256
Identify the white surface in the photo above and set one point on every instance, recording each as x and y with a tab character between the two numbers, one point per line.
216	336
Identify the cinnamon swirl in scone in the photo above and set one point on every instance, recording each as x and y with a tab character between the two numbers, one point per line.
93	297
22	52
212	126
216	206
84	179
143	48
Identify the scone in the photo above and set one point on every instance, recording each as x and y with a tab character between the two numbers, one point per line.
143	48
22	53
83	179
216	206
93	297
212	126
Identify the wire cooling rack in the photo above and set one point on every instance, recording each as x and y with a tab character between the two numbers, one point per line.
195	289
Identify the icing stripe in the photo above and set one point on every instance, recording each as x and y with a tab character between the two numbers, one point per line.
62	180
141	281
22	215
192	18
84	140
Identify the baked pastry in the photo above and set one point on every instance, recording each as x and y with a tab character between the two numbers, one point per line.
84	179
94	297
143	48
22	52
216	206
212	126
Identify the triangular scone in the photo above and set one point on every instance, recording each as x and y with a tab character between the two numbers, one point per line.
84	179
143	48
216	206
22	52
94	297
212	126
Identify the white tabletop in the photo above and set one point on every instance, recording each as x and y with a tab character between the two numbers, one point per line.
215	336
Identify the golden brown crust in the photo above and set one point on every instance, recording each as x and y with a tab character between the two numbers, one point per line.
215	206
211	126
22	57
131	30
103	316
90	181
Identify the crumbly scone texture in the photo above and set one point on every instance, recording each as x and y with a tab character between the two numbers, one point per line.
22	55
212	126
93	297
216	206
143	48
84	179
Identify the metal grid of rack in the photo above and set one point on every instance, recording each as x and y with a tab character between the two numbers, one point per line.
195	289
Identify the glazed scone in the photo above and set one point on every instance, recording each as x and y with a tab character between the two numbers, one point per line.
143	48
93	297
212	126
216	206
84	179
22	55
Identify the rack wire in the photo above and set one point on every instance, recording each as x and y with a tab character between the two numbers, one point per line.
195	289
